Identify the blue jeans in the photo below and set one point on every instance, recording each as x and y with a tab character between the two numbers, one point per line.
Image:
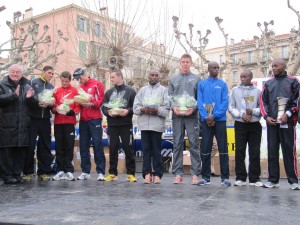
208	133
88	130
151	147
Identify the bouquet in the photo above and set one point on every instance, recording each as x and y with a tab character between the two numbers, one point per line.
183	102
46	97
152	101
82	97
65	106
115	105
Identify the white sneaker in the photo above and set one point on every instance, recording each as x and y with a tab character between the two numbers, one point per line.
69	176
240	183
84	176
295	186
100	177
256	184
59	176
271	185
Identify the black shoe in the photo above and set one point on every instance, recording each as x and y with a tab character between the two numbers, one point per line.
20	180
214	175
10	180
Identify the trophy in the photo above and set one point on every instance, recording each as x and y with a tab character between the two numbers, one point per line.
281	107
209	107
248	100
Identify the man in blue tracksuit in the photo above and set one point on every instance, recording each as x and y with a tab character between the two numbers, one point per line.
213	91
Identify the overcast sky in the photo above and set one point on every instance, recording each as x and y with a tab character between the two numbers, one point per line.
240	16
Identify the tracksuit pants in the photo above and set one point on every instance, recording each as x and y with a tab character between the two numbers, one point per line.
115	133
287	138
64	146
247	133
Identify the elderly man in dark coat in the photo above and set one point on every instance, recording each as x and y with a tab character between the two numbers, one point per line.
15	93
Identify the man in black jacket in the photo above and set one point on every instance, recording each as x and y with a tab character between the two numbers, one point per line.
41	127
119	125
281	118
15	95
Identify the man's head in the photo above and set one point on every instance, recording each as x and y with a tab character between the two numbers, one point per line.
116	77
213	69
246	77
65	78
79	74
185	63
154	76
47	73
278	67
15	72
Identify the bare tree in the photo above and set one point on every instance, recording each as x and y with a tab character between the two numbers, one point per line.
24	45
296	42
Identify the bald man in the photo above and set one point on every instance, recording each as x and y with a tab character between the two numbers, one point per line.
281	127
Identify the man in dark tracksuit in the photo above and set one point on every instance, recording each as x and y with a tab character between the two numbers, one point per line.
281	130
40	126
15	94
120	126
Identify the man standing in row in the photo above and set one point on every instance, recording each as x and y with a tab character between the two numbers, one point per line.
213	104
178	85
244	108
278	107
151	123
15	94
90	126
40	127
120	125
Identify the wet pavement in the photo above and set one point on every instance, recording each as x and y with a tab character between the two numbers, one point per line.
120	202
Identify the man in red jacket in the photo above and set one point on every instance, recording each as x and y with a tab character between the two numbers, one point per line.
64	127
90	126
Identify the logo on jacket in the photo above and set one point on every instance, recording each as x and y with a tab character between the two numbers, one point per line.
218	86
89	90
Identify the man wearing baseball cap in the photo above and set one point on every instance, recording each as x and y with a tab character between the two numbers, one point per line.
90	125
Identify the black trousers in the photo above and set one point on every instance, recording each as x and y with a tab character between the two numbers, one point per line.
247	133
12	161
42	129
114	135
287	138
64	146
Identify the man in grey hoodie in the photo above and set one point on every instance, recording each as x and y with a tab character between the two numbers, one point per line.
151	104
244	108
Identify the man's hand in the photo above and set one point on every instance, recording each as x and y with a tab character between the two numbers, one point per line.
70	113
43	105
249	111
30	93
189	112
124	113
210	120
247	118
17	90
284	119
271	121
88	104
176	111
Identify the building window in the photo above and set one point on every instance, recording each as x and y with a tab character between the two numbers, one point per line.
234	58
83	24
234	76
82	49
284	52
264	55
99	29
221	59
103	57
250	57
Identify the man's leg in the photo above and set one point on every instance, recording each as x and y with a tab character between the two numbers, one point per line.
127	141
192	129
273	153
29	152
69	140
114	145
214	151
241	139
255	131
59	146
95	127
178	136
221	135
85	143
146	149
288	145
156	153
